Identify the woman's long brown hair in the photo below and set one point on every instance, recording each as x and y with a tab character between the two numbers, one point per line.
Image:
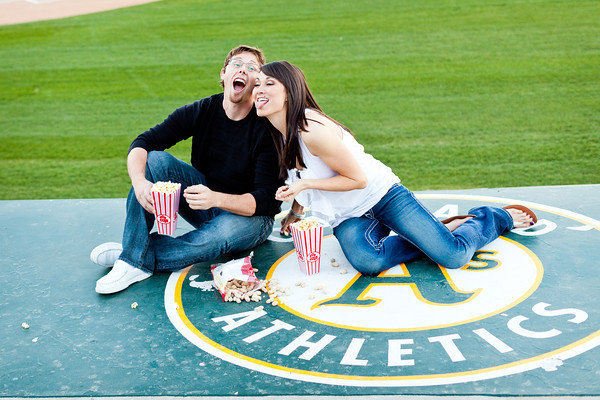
299	98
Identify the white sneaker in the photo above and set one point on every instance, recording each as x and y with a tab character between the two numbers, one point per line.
121	277
106	254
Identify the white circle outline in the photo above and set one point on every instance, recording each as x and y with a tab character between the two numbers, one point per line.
585	344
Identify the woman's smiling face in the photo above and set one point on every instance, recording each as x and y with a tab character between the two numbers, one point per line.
269	96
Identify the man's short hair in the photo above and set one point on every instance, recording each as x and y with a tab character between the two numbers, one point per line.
246	49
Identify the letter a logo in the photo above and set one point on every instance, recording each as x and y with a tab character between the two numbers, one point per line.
427	280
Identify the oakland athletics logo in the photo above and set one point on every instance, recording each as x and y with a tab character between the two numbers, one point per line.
507	311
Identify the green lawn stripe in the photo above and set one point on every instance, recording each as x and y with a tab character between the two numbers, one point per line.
448	94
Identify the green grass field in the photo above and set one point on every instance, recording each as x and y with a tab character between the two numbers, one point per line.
450	94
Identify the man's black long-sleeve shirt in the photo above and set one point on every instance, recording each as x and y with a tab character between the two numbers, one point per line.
236	157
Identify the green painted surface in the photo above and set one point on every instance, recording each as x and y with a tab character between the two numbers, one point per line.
83	344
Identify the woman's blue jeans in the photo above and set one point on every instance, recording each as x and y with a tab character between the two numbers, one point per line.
367	243
216	231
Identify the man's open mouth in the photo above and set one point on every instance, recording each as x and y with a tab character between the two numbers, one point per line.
261	101
239	84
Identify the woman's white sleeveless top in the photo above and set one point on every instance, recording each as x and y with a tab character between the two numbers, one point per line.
336	207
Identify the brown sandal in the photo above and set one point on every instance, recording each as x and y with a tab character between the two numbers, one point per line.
524	209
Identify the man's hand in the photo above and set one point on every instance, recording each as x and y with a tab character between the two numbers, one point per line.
143	195
199	197
286	222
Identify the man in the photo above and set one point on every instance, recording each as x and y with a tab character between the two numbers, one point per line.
228	193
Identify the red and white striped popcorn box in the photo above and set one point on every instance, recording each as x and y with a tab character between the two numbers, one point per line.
166	205
308	237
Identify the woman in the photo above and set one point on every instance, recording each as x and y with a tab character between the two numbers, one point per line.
359	196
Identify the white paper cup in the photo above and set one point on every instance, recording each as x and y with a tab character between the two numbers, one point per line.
308	248
166	206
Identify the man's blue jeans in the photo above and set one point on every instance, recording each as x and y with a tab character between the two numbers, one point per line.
369	248
217	231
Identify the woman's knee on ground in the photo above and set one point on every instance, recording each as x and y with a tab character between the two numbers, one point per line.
454	261
366	263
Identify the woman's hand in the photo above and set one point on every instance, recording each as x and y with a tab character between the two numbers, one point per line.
288	192
143	195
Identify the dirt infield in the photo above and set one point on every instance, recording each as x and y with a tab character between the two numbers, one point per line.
20	11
